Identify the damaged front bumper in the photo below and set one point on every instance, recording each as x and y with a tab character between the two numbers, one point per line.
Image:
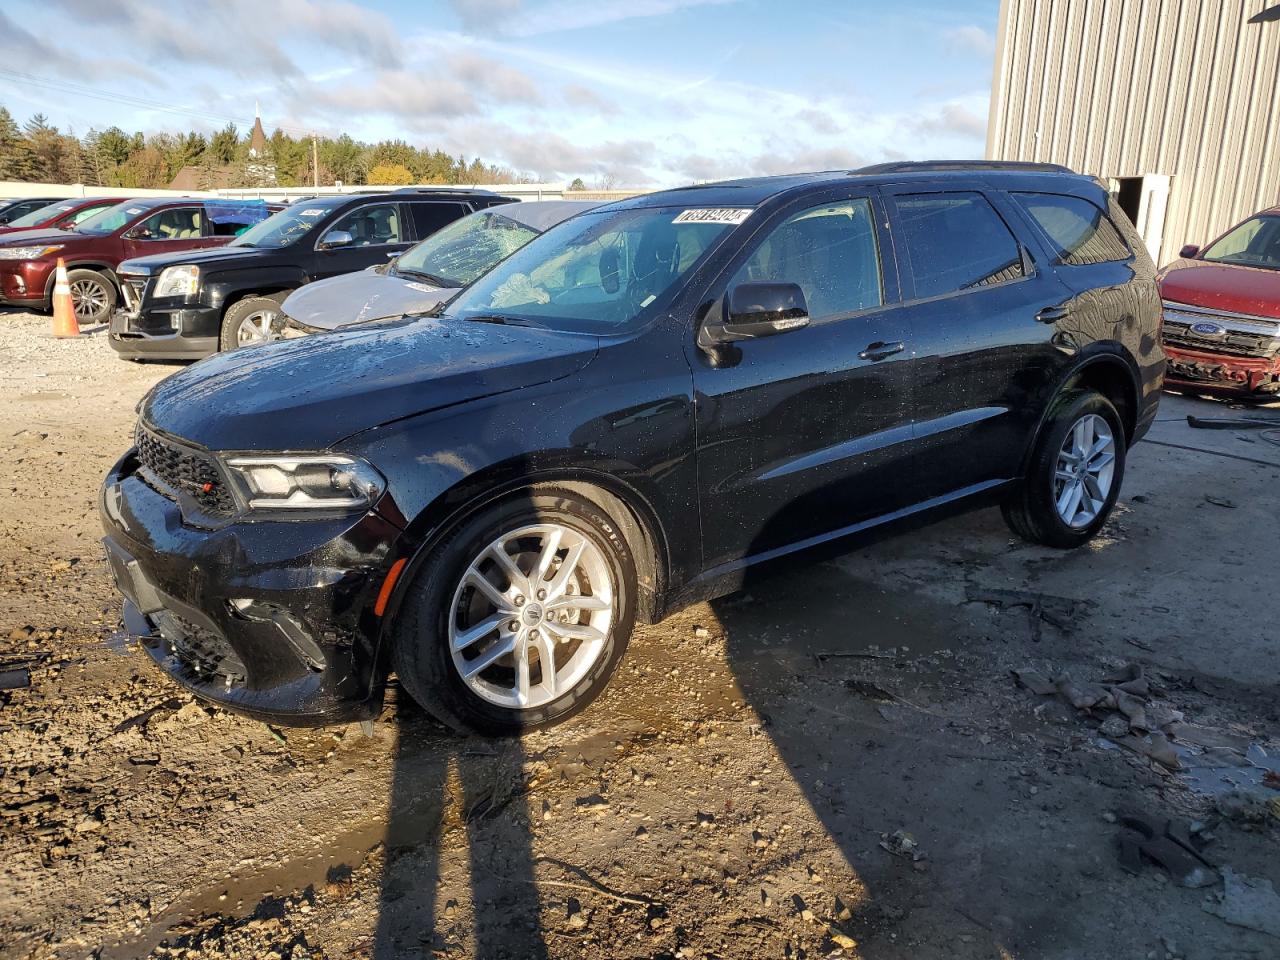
271	619
1223	373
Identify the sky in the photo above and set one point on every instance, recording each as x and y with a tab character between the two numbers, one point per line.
636	93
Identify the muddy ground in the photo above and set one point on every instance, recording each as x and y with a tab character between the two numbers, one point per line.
837	762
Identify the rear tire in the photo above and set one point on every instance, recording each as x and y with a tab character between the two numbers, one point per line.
1065	498
249	322
556	637
93	296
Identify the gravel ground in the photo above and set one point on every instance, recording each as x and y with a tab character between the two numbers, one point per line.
837	763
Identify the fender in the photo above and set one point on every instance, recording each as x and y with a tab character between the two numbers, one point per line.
1102	353
225	287
481	489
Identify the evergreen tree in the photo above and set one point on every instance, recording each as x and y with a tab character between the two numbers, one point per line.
15	154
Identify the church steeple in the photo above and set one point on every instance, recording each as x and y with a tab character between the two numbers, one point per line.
258	138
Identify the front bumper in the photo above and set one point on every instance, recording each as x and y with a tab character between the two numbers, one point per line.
23	282
270	619
1223	373
177	333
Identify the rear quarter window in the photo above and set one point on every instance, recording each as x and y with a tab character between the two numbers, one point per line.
956	242
1078	232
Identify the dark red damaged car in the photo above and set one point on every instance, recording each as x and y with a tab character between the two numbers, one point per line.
1222	312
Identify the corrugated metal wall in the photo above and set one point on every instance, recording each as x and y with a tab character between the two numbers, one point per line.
1122	88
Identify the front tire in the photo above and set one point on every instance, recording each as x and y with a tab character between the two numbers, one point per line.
1074	476
93	296
249	322
519	617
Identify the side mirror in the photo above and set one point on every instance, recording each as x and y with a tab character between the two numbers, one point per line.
1189	251
336	238
754	310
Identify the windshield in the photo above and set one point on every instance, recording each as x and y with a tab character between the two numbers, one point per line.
111	219
457	254
283	228
37	217
1255	243
598	272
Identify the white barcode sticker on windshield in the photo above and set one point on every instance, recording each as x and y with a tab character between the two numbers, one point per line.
132	210
733	215
424	287
311	212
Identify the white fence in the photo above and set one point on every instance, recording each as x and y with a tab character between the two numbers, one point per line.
16	188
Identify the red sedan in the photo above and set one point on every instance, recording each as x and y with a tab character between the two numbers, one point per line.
62	214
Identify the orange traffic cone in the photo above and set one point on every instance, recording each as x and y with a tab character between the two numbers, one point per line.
64	311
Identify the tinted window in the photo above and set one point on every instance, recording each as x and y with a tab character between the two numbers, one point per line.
372	225
955	242
430	217
1078	230
233	219
830	251
41	215
1255	243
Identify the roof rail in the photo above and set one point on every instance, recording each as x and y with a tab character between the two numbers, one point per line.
927	166
444	188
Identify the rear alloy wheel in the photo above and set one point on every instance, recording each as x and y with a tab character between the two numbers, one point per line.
93	296
250	322
519	619
1074	475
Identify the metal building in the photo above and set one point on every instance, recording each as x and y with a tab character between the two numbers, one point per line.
1177	102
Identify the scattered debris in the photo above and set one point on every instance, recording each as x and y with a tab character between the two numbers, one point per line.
1219	501
15	679
870	691
1230	423
902	844
1059	612
1247	902
1166	843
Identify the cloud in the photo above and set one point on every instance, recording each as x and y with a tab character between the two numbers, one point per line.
580	97
22	50
518	19
972	40
951	119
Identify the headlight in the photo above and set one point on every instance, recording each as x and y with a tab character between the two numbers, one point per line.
27	253
291	329
321	482
183	281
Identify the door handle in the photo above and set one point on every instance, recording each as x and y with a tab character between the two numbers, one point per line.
880	350
1052	314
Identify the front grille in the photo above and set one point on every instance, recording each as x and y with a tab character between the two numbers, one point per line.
206	652
1233	334
132	291
184	469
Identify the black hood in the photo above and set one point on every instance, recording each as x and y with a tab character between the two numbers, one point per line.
158	261
308	394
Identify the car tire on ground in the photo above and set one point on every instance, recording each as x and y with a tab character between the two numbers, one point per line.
93	296
248	322
1074	475
495	646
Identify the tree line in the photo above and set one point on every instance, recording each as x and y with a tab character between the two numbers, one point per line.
39	152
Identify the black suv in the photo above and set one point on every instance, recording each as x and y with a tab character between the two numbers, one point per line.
624	416
189	305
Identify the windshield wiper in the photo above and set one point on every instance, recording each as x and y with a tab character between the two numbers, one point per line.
429	277
498	319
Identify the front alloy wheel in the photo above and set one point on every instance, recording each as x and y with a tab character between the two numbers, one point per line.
530	617
518	617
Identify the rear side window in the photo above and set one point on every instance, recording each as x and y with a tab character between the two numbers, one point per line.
233	219
956	242
1078	230
830	251
430	217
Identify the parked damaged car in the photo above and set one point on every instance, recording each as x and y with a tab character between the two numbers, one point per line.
425	275
93	250
637	410
190	304
1222	312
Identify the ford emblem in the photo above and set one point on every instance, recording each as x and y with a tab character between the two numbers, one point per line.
1208	329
